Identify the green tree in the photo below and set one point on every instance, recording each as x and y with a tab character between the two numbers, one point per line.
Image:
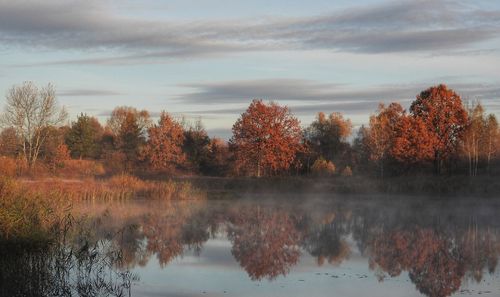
83	138
196	147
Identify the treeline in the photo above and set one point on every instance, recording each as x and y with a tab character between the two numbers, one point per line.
439	134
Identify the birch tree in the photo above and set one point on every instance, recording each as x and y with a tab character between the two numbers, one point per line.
30	110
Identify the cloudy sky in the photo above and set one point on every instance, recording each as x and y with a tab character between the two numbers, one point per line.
210	58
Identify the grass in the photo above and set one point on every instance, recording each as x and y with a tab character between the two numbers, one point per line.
118	187
45	251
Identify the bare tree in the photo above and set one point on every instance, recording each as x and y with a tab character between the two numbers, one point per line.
30	111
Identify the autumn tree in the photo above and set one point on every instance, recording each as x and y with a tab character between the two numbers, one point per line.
472	137
30	110
84	137
127	129
120	114
164	146
361	149
412	145
491	141
445	118
266	139
9	142
382	133
328	135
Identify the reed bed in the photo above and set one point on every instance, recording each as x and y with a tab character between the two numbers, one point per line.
119	187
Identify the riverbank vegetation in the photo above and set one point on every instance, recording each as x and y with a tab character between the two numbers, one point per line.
438	136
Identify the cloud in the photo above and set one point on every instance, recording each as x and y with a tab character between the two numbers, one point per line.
87	92
399	26
305	97
290	90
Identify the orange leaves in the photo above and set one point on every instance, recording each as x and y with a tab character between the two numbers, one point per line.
412	143
163	149
266	139
442	112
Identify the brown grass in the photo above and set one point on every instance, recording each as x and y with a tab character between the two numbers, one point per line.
118	187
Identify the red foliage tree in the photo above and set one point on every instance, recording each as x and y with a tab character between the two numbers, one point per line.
266	139
445	118
412	144
382	132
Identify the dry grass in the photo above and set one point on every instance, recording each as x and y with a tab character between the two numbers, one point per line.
118	187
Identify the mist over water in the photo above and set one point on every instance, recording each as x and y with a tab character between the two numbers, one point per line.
342	246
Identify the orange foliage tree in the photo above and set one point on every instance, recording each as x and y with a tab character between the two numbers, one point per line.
412	144
266	139
164	146
445	118
382	133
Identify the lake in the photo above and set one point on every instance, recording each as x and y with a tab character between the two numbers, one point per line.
343	246
302	245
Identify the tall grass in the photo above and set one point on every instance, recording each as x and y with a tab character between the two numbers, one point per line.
44	251
118	187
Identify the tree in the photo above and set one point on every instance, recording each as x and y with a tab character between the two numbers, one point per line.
30	110
492	139
328	135
382	133
130	139
472	136
218	158
9	142
266	139
120	114
84	136
164	146
196	146
412	146
445	118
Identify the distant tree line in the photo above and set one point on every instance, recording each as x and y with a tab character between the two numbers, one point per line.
439	134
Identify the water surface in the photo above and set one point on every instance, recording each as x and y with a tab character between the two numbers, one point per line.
306	246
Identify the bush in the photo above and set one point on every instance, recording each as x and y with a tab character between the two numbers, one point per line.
347	171
86	168
322	167
8	166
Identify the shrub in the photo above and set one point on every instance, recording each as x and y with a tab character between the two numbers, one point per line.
347	171
8	166
322	167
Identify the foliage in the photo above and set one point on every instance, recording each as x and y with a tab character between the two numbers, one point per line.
322	167
266	139
84	136
164	147
327	136
442	112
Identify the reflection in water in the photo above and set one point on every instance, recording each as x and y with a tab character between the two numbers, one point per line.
437	249
265	241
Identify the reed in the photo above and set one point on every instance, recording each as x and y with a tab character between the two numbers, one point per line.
119	187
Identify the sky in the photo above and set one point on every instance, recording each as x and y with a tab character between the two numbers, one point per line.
208	59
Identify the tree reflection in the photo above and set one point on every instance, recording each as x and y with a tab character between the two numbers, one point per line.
326	241
265	242
436	261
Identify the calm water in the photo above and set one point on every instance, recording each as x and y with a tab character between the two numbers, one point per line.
347	246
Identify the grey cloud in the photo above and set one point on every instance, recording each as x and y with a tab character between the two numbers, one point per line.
397	26
289	90
87	92
308	97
